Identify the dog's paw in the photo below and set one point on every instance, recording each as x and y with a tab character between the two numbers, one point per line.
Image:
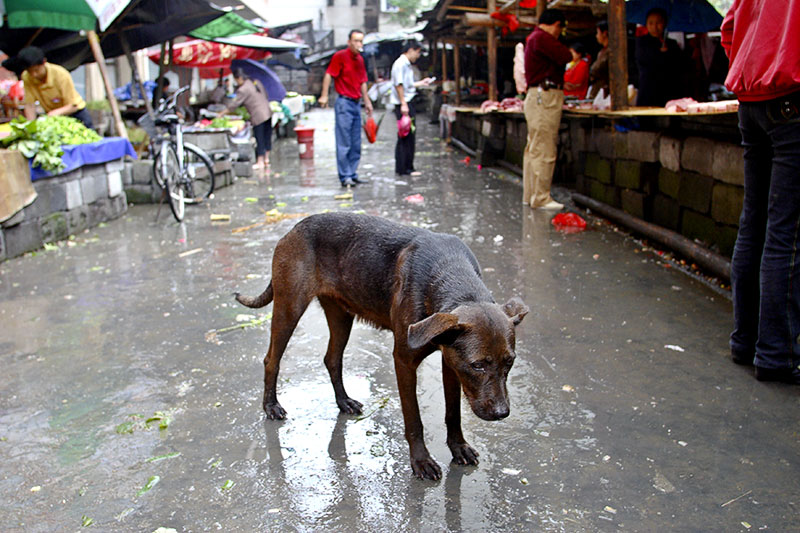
349	406
464	454
275	411
426	469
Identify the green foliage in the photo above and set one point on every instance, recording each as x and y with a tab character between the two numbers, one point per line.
408	10
41	139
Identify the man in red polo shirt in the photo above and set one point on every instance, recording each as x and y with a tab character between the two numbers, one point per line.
350	81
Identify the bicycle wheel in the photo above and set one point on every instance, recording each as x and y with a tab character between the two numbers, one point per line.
176	195
159	164
200	169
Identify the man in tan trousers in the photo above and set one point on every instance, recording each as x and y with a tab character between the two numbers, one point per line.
545	59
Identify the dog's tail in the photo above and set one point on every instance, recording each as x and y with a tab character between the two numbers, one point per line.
259	301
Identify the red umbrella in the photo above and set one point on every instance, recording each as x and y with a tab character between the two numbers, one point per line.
213	59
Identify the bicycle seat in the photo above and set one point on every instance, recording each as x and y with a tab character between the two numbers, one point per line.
170	118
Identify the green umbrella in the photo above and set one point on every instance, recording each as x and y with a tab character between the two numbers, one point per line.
69	15
228	25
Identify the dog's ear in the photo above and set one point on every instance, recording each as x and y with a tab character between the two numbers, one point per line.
515	310
425	331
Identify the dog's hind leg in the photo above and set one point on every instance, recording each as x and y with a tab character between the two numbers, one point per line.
286	314
340	322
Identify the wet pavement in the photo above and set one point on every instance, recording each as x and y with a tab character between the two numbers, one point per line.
626	411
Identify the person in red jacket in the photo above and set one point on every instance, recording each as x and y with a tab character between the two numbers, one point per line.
545	58
576	78
765	269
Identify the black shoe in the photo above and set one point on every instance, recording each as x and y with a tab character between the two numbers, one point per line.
744	359
361	181
783	375
348	182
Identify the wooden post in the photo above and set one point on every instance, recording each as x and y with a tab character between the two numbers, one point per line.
618	60
444	61
457	69
137	78
491	48
94	43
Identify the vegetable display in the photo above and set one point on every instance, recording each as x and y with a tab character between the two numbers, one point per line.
41	139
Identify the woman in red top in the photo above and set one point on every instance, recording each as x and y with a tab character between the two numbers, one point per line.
764	55
576	77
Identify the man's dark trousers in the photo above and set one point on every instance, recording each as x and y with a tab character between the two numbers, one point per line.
404	150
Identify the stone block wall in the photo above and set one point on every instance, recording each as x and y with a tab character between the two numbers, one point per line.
66	204
691	185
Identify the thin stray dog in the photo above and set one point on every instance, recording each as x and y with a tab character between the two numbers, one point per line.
425	287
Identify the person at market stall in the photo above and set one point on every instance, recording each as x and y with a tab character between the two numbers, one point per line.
51	85
254	97
764	270
598	72
576	77
545	59
349	76
660	62
163	83
404	90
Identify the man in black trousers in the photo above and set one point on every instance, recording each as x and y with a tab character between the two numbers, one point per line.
404	89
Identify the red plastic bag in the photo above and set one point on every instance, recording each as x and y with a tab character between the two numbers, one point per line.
404	126
371	129
568	222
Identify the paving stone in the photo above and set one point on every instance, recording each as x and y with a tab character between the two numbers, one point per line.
669	153
635	203
22	238
697	226
77	219
54	227
73	192
669	182
695	192
666	212
697	155
643	146
726	203
114	183
728	163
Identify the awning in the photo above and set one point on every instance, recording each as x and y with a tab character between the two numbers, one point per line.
228	25
261	42
213	59
70	15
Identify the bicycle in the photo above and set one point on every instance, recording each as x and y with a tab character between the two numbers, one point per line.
183	171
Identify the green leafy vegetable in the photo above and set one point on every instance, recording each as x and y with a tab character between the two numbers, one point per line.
41	139
152	482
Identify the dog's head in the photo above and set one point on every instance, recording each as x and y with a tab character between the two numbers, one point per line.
477	342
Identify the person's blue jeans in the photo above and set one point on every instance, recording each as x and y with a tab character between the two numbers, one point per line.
348	137
765	270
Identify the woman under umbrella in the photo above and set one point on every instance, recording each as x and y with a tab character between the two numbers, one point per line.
253	96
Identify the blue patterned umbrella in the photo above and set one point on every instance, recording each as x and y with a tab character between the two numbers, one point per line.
264	74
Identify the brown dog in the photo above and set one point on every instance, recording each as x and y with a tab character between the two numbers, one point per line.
425	287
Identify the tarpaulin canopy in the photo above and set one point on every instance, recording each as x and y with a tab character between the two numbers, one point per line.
70	15
264	74
690	16
213	59
228	25
145	23
261	42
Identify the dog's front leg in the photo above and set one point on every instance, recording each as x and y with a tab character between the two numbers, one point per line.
422	463
463	453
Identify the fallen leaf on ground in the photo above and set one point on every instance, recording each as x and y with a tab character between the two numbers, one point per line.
218	218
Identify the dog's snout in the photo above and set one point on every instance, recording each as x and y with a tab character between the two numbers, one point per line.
501	412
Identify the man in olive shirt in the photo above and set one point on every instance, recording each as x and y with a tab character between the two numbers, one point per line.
51	85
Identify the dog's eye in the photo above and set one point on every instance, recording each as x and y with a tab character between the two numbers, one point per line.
478	366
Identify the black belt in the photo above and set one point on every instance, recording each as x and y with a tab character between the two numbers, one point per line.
546	85
356	100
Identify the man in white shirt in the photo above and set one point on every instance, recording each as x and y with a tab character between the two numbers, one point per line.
404	89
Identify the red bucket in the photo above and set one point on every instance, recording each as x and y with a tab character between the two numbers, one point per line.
305	141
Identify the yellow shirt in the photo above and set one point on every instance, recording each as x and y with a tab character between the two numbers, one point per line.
56	91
